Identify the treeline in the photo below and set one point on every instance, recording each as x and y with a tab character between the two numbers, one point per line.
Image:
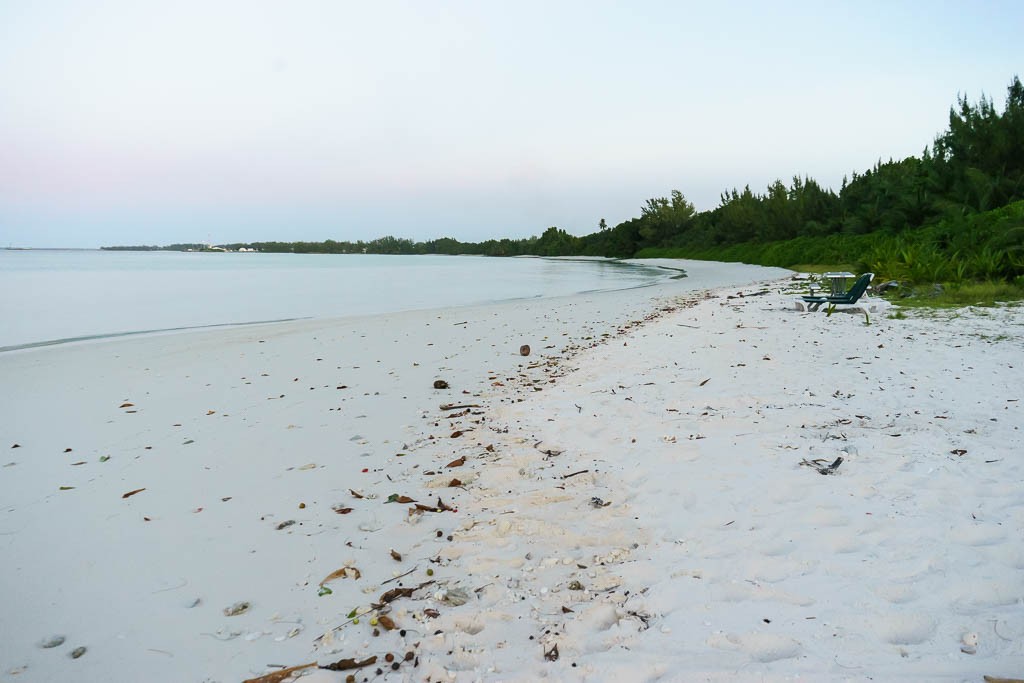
955	212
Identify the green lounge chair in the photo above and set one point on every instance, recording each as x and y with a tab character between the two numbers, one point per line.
850	297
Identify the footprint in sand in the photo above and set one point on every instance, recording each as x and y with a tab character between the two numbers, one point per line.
761	647
906	629
977	535
984	596
897	593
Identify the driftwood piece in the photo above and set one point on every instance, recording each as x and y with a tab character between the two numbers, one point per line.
278	676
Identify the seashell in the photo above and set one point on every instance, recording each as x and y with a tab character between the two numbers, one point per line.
236	609
52	641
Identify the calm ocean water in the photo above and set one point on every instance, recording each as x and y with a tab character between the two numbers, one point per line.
51	295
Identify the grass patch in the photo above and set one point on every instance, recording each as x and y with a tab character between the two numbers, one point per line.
820	268
966	294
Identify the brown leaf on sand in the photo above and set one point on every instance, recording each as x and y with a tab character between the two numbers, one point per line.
210	412
552	654
420	507
395	593
705	382
341	510
343	573
278	676
395	555
17	445
395	498
356	494
132	493
387	622
457	463
127	405
432	613
456	434
351	663
442	506
67	450
455	482
566	610
997	679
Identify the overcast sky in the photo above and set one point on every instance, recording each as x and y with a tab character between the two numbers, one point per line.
137	122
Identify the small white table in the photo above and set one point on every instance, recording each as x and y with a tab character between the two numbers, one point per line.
839	281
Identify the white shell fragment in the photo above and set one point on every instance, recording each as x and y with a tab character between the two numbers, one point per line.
236	609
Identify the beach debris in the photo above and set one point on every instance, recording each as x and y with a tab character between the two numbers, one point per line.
342	510
356	494
969	644
819	465
575	586
67	450
132	493
596	502
322	591
440	384
104	458
458	462
568	476
998	679
395	555
524	350
77	652
343	573
550	452
958	452
51	642
704	382
234	610
66	488
285	524
455	596
278	676
348	664
552	654
404	592
396	498
17	445
455	406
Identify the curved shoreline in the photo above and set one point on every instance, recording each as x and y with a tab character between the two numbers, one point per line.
243	441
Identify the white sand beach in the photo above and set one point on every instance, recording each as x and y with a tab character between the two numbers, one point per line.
625	503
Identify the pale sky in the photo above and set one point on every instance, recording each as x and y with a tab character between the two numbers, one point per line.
139	122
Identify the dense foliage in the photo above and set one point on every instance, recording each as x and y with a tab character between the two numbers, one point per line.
954	213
